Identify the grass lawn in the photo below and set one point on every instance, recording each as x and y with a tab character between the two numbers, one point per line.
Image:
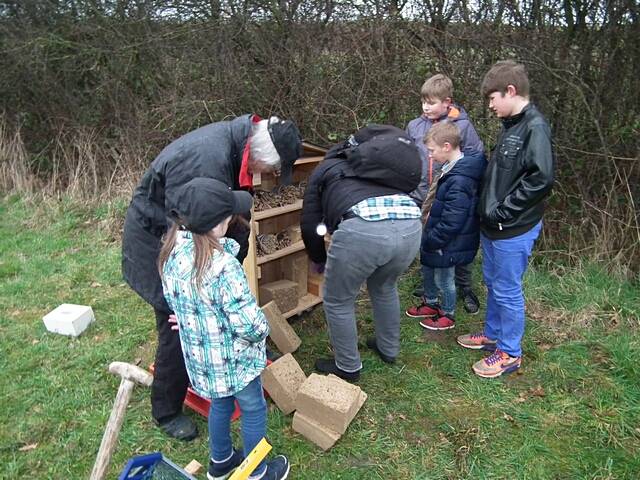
573	412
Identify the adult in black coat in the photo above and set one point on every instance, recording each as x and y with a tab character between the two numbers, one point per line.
229	151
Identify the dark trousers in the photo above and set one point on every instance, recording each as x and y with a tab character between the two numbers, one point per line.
170	379
463	277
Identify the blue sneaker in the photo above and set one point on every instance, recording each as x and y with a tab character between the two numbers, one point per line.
277	469
221	470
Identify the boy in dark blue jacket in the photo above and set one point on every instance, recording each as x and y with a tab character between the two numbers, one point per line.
451	235
438	106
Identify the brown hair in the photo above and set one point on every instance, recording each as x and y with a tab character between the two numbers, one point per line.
438	87
204	246
443	132
503	74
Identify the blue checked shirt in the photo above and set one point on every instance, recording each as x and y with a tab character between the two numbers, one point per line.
222	329
386	207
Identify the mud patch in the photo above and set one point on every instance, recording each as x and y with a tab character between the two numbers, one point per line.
431	336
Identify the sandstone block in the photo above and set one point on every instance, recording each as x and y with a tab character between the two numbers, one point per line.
329	401
282	334
294	232
283	292
314	431
296	269
282	380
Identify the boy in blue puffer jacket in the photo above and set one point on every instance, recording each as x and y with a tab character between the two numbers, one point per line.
438	106
451	235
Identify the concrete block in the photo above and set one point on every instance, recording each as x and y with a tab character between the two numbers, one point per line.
283	292
296	269
282	380
282	334
314	431
329	401
69	319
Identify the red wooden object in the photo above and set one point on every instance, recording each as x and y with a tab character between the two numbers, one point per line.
202	405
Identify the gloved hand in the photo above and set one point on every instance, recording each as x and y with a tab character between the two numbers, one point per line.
317	267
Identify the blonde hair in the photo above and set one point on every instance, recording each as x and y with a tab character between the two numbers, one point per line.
443	132
437	87
204	246
261	145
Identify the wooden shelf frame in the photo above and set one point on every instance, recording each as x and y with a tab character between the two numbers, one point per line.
283	252
262	269
274	212
304	303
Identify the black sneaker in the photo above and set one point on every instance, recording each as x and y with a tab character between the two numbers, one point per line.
371	343
221	470
470	301
180	427
418	292
277	469
328	365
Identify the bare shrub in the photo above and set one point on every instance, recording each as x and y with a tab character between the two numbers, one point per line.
15	174
96	91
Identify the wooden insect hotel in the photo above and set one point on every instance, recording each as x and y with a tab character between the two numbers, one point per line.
277	265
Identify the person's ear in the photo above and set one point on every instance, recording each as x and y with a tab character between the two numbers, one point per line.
511	90
448	101
446	147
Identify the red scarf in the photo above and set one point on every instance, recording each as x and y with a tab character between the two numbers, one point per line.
245	179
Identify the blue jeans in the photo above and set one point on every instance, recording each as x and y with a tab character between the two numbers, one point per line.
436	280
253	422
504	263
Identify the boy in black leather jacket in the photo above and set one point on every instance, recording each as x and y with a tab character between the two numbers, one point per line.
517	180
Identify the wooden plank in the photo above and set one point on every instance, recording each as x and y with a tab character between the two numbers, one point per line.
305	160
296	247
274	212
249	264
304	303
310	147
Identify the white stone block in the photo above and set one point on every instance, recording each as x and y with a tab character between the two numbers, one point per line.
69	319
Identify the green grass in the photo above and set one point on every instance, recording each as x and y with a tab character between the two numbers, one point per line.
573	412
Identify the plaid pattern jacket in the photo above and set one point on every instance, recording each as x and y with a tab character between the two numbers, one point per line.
222	329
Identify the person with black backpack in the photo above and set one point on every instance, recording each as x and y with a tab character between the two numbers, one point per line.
359	194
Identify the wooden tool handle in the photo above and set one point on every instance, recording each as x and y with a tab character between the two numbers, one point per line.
113	428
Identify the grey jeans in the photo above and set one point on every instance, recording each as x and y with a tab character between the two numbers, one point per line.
378	253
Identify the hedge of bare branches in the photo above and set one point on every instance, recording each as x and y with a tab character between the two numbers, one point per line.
94	88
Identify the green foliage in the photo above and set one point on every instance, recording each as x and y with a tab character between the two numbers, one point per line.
572	413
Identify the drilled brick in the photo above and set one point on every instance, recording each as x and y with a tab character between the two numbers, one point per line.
283	292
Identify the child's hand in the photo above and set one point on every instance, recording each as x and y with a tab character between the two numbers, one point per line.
174	321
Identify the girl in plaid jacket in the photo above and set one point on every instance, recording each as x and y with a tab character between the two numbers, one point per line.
222	329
